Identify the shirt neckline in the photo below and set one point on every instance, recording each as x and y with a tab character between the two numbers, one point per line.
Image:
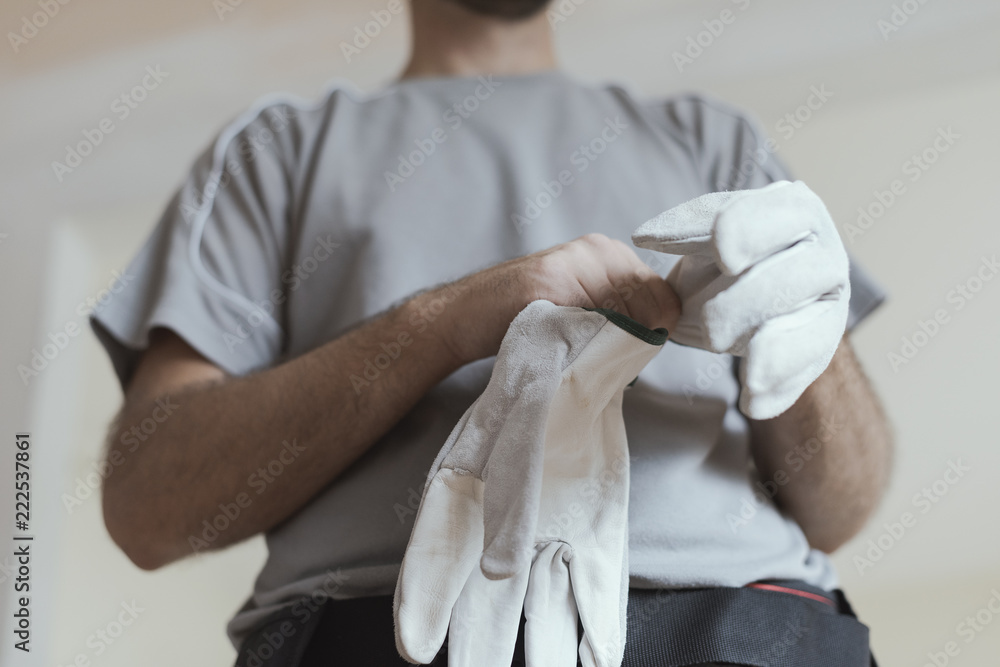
538	75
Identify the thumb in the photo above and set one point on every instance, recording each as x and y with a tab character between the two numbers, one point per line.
685	229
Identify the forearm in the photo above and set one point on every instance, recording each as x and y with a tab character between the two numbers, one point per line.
829	455
219	447
333	402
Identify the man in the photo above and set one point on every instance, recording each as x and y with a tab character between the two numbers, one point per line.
324	294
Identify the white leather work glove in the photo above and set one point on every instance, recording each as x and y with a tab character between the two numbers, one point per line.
526	505
764	276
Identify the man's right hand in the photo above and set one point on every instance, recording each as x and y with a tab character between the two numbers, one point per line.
592	271
162	493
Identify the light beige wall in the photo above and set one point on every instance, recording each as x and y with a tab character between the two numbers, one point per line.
941	402
889	98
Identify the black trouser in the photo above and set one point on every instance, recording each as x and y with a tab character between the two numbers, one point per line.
782	623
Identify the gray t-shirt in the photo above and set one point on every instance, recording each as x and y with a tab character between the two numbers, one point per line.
302	220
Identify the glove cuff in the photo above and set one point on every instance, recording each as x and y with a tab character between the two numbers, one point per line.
656	336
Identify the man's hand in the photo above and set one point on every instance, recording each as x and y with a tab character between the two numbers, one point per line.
592	271
227	428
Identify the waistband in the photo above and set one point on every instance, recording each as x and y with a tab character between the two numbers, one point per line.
772	623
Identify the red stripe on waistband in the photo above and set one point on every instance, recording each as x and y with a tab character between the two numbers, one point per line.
783	589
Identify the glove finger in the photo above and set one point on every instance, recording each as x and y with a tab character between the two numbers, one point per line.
462	439
767	221
782	283
442	552
686	229
550	628
485	621
511	496
787	354
598	575
525	378
696	280
513	473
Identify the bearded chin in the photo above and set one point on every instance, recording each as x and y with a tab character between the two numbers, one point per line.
506	9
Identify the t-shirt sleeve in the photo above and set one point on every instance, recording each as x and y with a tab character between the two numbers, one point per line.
731	152
210	270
